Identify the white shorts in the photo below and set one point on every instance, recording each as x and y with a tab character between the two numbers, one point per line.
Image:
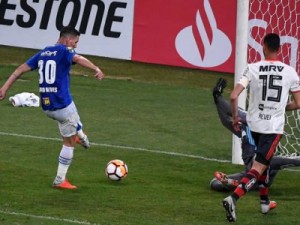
68	119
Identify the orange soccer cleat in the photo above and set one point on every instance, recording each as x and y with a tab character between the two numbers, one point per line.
65	185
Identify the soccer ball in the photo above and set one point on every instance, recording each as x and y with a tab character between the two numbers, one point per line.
116	170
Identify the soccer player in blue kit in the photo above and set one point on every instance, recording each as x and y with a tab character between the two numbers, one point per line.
54	64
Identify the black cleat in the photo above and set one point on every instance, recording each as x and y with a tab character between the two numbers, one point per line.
218	89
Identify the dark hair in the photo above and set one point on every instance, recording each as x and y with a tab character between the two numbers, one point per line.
68	30
272	41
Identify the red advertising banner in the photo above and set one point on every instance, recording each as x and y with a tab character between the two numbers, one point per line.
195	34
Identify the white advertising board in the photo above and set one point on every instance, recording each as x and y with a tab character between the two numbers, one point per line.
106	26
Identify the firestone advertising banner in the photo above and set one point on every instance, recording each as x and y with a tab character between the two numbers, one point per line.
106	26
194	33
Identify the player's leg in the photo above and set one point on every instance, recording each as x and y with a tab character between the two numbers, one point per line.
266	146
246	184
64	161
272	175
67	122
68	132
263	184
279	162
225	183
222	182
82	138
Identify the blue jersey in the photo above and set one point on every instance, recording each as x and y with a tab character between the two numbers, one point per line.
54	64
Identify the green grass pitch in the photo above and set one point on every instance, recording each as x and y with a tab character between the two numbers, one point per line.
160	120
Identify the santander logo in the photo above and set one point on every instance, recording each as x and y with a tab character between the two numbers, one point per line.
284	39
203	44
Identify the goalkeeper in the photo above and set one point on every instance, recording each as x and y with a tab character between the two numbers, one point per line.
221	181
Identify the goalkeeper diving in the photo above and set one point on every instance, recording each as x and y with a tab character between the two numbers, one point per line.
223	182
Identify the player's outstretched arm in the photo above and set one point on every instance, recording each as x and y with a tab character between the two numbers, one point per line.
12	78
234	106
82	61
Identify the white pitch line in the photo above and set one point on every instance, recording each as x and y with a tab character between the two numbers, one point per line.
73	221
123	147
47	218
97	144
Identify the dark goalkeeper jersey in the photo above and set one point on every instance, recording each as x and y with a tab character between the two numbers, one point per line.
54	64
